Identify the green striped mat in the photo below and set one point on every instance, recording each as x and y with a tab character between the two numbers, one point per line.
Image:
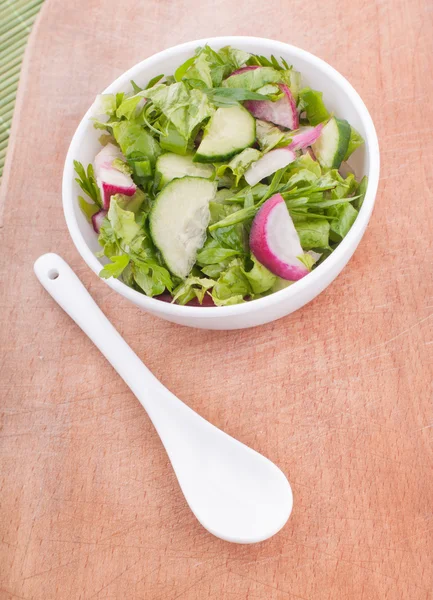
16	20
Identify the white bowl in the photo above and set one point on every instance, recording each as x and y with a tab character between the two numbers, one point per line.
340	98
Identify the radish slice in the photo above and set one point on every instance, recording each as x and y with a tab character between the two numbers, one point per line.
109	179
274	240
105	157
244	69
97	220
268	164
305	136
113	182
282	112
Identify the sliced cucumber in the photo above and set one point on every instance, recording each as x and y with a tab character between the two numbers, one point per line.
229	131
173	166
331	147
178	221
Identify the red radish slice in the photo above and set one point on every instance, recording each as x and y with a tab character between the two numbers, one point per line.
305	136
113	182
245	69
105	157
268	164
110	180
97	220
274	240
282	112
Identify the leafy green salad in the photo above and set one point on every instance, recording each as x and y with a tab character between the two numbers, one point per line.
221	183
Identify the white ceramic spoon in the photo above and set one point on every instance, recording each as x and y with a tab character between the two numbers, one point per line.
235	493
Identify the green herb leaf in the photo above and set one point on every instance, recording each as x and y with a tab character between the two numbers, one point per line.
87	182
229	96
88	209
312	103
154	81
116	267
355	141
260	278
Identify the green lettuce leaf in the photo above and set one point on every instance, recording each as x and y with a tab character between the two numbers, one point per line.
361	191
131	107
305	162
307	260
232	58
214	253
172	141
260	278
232	285
293	80
192	287
104	104
151	277
312	103
344	216
253	80
270	136
345	187
108	240
240	163
355	141
123	222
200	70
136	143
131	203
116	267
185	108
313	233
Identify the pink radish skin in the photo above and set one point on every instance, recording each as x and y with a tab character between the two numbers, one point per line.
110	180
268	164
97	220
282	112
113	182
274	240
244	70
305	137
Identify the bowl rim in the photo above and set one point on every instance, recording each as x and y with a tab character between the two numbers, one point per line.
176	310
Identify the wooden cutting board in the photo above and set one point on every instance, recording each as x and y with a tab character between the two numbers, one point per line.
338	394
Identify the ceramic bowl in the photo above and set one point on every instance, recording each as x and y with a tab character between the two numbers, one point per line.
340	98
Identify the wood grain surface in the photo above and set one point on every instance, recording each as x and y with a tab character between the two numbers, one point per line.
338	394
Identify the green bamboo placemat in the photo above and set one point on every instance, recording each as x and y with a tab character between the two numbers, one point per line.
16	20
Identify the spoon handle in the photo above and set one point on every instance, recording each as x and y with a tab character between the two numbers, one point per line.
64	286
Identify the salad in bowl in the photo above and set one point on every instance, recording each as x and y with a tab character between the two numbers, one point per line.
220	183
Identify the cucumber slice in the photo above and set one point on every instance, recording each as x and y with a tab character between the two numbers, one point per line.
178	221
331	146
229	131
173	166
